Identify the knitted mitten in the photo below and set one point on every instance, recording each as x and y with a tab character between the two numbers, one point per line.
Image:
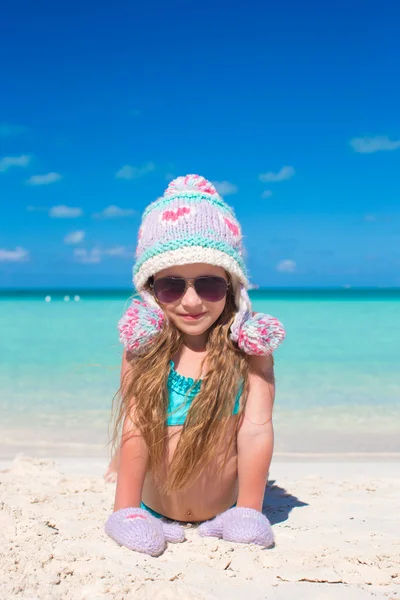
239	524
138	530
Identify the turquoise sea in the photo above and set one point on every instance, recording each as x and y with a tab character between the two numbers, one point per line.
337	373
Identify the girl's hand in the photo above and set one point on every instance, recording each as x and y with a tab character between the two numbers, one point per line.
138	530
238	524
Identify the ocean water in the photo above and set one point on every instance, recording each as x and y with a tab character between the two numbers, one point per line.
337	373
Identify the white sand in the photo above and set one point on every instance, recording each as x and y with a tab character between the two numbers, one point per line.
336	523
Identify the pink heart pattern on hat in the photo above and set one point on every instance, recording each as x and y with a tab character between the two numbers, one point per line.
172	216
233	228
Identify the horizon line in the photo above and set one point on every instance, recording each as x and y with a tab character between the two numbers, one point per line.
131	290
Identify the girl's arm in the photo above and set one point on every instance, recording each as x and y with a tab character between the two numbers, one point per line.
133	457
256	434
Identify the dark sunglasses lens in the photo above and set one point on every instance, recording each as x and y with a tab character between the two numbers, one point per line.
169	289
211	289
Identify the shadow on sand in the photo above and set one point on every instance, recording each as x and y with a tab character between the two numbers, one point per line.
278	503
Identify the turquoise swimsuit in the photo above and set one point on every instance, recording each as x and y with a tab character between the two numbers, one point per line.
179	404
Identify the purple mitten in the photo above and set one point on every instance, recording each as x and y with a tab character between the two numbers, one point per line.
138	530
212	528
247	526
173	532
238	524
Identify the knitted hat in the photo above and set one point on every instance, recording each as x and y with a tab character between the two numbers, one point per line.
190	224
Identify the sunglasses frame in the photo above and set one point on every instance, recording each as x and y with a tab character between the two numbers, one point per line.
190	282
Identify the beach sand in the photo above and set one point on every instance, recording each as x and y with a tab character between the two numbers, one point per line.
336	524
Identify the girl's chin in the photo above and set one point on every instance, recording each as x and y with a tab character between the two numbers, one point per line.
194	328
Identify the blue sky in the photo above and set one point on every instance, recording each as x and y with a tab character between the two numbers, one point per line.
292	107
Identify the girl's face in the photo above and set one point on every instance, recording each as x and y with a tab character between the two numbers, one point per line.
191	314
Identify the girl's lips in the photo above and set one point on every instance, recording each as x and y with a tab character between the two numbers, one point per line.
192	317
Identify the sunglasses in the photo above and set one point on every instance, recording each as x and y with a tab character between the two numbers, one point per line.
170	289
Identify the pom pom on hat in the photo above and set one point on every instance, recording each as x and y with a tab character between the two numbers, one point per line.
139	326
187	183
260	335
255	333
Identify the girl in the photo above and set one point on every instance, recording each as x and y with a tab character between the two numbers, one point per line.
197	382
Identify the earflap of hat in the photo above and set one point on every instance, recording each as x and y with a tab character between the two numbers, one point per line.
149	298
243	305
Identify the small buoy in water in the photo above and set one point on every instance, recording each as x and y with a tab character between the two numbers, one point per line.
48	299
77	298
66	298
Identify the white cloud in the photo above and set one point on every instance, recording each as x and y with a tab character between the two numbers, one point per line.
285	173
31	208
112	212
87	256
75	237
266	194
17	255
64	212
95	255
14	161
44	179
6	129
367	145
225	188
119	251
129	172
286	266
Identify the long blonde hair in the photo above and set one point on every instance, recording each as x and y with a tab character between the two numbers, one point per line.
143	398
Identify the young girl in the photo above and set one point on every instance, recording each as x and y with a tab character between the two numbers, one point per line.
197	381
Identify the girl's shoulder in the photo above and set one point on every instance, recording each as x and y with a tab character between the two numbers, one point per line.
262	365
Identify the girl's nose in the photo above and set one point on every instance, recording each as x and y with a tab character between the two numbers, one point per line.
190	298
